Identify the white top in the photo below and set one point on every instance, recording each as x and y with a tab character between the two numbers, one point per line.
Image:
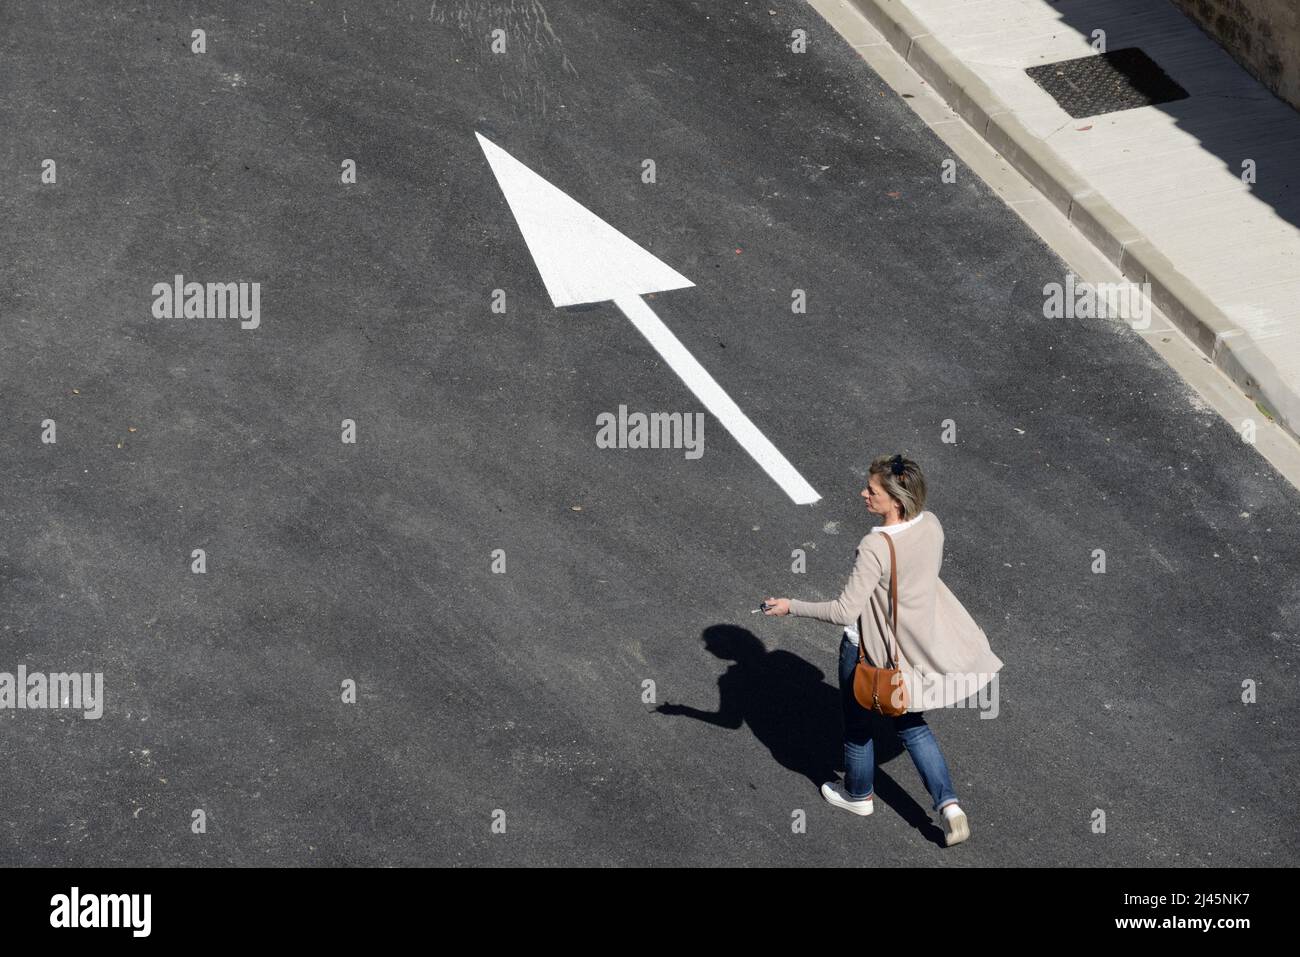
851	632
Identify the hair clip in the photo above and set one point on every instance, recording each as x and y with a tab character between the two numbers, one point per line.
896	465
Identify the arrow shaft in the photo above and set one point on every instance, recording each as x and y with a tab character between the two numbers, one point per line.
717	401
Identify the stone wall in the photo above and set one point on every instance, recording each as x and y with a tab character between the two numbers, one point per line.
1262	35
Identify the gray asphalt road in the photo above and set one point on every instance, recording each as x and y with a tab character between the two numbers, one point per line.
372	562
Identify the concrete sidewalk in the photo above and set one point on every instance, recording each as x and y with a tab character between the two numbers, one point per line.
1158	189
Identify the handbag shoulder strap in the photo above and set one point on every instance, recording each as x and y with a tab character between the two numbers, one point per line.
893	579
893	606
893	588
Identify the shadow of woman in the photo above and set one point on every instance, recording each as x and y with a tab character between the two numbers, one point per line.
796	715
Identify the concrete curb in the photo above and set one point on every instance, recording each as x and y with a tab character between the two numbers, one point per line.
1224	343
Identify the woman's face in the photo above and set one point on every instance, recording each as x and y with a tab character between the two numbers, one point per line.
878	500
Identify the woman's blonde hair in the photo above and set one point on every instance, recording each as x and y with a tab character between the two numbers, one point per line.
903	480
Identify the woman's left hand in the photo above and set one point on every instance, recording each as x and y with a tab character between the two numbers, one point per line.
778	606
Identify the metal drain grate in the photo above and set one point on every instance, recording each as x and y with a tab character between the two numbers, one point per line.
1106	83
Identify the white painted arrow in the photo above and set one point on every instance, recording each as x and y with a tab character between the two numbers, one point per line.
583	259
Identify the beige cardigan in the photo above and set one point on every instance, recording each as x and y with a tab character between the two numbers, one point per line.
944	655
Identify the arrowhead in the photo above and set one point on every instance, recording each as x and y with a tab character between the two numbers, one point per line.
580	256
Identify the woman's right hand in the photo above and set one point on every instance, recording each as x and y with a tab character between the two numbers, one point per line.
778	607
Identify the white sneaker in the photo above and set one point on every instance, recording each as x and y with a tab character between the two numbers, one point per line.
955	828
834	793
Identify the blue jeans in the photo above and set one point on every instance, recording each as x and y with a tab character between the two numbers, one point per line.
860	749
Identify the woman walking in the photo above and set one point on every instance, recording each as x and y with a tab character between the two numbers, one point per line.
943	655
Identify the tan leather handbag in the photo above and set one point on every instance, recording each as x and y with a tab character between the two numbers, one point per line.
883	690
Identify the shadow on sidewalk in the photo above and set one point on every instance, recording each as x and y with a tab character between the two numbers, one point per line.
1216	91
